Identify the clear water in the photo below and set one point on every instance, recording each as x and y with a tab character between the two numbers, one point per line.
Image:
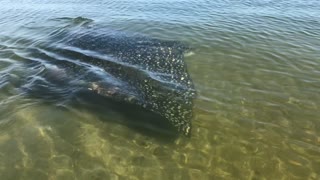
255	65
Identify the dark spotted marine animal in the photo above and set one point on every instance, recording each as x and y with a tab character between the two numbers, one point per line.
135	69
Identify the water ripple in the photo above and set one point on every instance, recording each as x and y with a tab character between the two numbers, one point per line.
256	68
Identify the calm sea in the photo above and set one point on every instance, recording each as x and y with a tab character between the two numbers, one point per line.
255	65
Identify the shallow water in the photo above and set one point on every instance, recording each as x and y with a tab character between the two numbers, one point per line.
255	66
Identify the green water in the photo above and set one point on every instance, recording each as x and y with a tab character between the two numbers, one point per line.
255	66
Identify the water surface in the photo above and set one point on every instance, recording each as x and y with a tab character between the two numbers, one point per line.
255	65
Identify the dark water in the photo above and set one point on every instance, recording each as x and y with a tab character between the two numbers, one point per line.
255	66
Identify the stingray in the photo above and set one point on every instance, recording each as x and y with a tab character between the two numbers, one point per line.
129	68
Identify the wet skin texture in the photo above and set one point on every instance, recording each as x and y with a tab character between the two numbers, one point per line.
131	69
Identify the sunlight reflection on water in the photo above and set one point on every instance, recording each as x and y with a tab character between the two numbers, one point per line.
256	68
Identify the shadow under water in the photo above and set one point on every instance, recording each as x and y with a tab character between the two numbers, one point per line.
105	109
135	117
